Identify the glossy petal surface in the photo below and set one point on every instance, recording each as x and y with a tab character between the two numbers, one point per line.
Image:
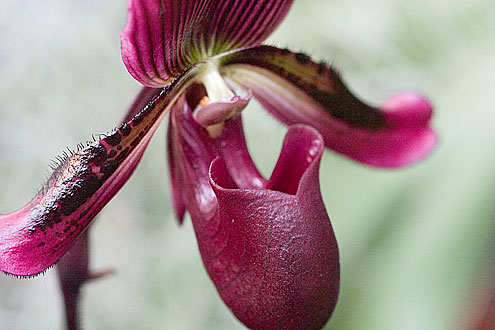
37	235
267	244
297	90
164	37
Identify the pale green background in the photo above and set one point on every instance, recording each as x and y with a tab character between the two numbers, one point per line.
416	244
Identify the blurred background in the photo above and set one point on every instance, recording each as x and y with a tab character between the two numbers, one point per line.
417	244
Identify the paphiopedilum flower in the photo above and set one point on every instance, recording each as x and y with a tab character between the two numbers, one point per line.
267	244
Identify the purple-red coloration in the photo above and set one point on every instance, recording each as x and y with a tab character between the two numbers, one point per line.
267	244
395	134
221	111
40	233
73	272
164	37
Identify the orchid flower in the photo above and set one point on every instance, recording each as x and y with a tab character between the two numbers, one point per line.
267	244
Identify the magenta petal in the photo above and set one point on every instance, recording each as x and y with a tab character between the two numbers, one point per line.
174	167
231	142
271	253
36	236
187	137
232	146
163	37
190	153
296	90
301	148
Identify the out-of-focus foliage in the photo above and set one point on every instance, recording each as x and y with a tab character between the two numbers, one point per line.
416	243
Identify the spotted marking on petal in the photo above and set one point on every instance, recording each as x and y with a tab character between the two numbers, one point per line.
301	71
78	189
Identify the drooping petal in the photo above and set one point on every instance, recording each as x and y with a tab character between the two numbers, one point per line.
73	267
36	236
271	253
231	144
297	90
174	167
164	37
187	137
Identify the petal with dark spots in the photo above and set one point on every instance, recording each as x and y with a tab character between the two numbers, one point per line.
297	90
40	233
145	96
